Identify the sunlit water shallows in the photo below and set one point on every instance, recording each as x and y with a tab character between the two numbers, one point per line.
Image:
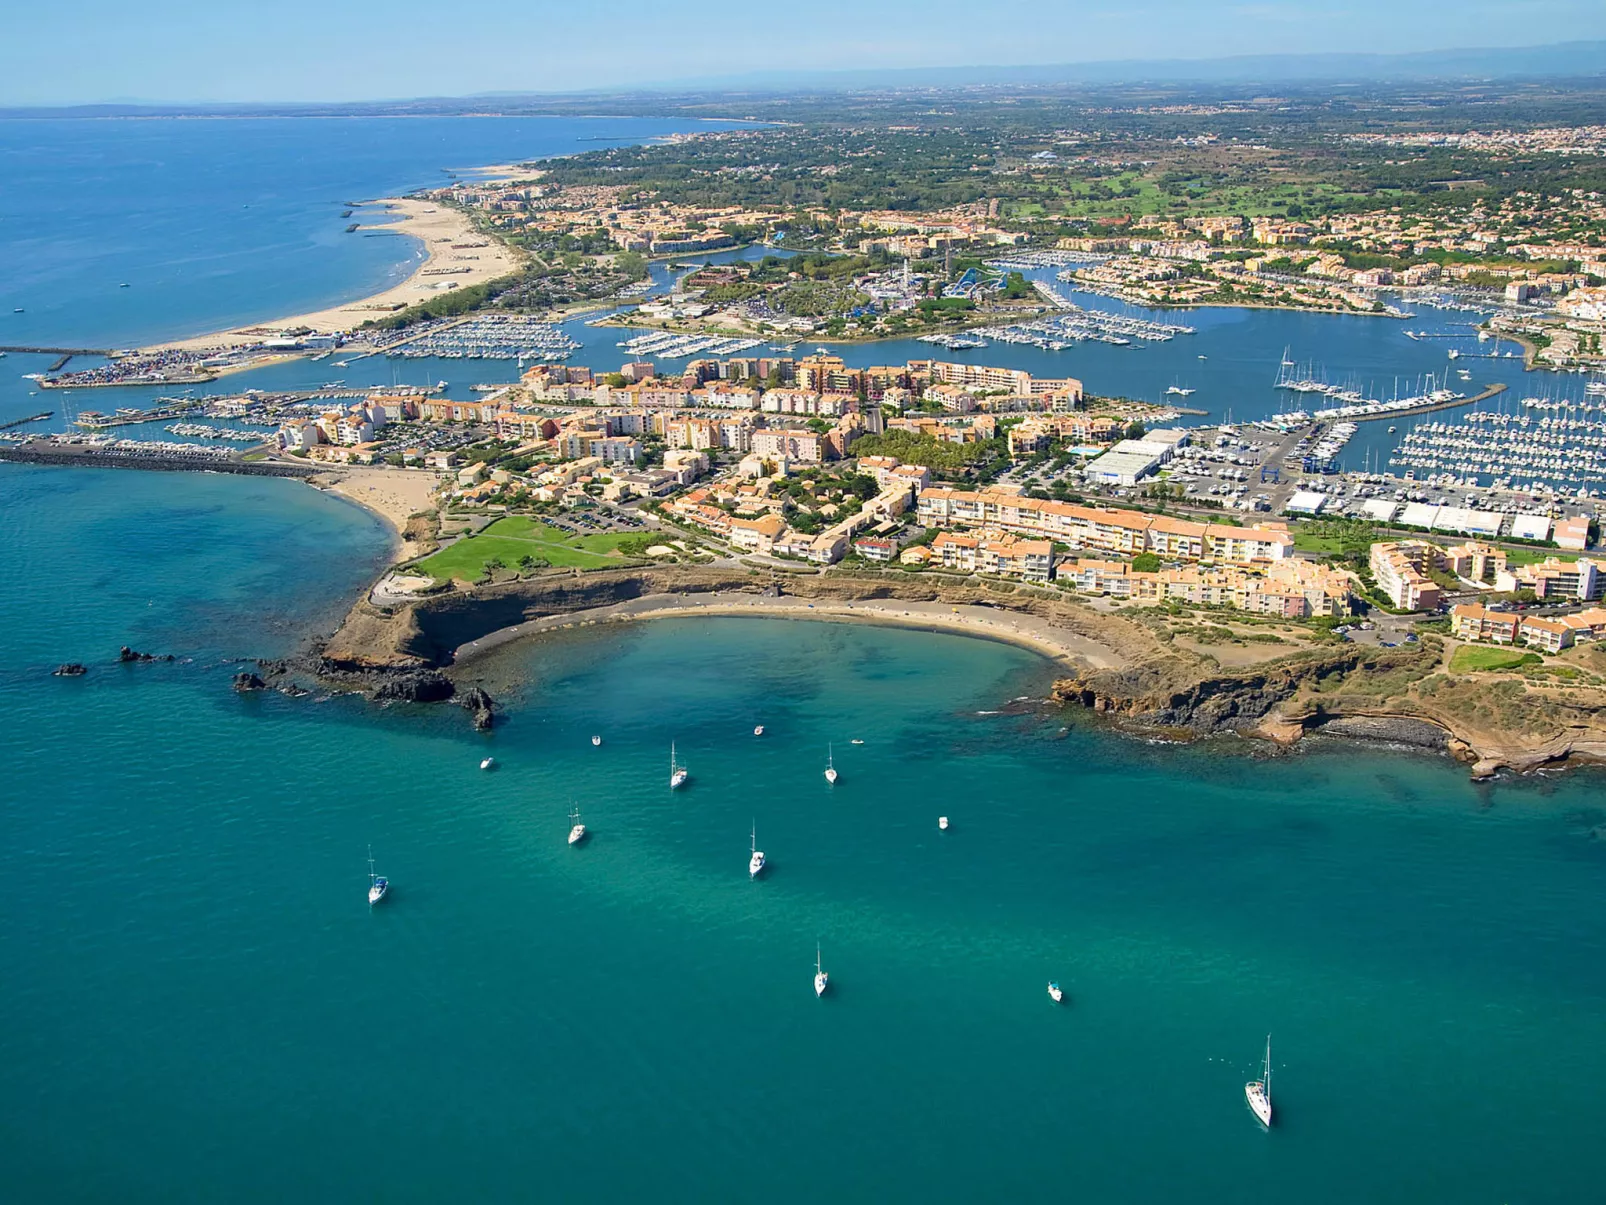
199	1005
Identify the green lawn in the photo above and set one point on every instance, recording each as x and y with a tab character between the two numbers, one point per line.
516	536
1532	556
1471	658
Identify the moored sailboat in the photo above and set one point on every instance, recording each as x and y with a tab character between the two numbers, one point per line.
378	884
577	830
821	978
677	772
830	765
755	863
1258	1092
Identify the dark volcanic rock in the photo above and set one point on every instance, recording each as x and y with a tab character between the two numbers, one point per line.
126	655
481	704
71	670
246	680
1398	730
420	686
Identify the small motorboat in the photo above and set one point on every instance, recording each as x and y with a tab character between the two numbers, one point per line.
1054	993
942	823
855	741
488	764
596	740
759	731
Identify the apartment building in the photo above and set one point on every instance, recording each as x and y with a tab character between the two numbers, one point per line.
1125	532
1401	571
994	552
805	447
1554	578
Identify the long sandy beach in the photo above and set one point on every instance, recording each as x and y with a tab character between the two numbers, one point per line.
456	256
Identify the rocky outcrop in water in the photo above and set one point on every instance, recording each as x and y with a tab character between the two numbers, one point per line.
420	686
71	669
245	680
128	656
480	705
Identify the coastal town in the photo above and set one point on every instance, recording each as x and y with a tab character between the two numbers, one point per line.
717	439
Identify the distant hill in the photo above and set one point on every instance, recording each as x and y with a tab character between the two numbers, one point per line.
1561	61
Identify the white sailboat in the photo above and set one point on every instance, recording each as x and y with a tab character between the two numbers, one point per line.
1258	1092
377	884
755	864
677	772
821	979
830	765
577	831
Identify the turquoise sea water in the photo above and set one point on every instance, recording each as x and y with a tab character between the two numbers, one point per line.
199	1004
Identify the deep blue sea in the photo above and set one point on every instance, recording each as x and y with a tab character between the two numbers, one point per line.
198	1004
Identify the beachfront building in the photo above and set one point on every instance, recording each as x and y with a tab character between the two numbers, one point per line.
1401	570
1288	589
1110	530
994	552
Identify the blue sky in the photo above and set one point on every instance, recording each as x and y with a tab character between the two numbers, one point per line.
76	51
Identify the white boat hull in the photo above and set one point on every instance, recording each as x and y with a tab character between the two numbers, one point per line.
577	834
821	981
755	865
1259	1102
677	779
830	776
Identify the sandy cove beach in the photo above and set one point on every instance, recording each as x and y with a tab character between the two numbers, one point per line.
455	253
1051	641
392	494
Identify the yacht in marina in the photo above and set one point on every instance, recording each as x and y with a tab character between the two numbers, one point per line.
755	863
577	830
377	884
821	978
677	772
1258	1092
830	766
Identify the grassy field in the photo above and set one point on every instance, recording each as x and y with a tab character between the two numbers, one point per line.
1470	658
1516	555
511	539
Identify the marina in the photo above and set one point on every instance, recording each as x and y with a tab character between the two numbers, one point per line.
482	337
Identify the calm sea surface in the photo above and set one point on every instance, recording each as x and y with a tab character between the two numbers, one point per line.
199	1005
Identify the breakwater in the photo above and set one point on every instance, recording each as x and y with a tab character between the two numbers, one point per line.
161	462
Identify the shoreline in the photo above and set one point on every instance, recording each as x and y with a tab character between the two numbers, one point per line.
392	495
436	226
1024	631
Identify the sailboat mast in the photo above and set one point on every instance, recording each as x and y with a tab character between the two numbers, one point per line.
1268	1068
